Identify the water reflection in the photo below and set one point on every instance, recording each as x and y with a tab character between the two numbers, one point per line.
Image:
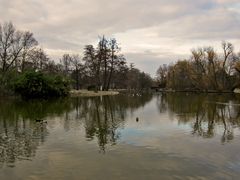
102	119
21	134
207	114
103	116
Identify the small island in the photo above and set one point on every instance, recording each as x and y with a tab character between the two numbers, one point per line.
27	70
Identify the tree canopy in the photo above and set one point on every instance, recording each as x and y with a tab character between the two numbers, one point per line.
205	70
100	67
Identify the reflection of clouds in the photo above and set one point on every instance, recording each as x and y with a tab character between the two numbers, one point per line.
170	131
181	145
105	117
159	146
130	162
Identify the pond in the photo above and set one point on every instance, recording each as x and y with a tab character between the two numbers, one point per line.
161	136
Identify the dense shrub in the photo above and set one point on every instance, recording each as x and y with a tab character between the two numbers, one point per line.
92	88
6	83
38	85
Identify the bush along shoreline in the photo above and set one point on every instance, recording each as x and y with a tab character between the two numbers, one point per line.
35	85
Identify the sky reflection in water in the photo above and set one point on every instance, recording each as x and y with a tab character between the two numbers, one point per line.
180	136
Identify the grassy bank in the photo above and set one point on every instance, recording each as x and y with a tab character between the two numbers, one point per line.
76	93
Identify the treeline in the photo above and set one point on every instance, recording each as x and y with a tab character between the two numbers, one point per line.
205	70
102	67
101	118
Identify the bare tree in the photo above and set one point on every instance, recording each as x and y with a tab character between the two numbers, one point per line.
37	58
92	64
212	66
66	63
227	50
14	46
103	59
29	44
162	75
77	68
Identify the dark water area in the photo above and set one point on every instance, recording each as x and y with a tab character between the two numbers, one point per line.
164	136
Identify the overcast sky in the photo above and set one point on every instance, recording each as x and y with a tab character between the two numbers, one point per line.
151	32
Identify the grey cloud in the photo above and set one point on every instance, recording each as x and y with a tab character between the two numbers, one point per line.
149	61
216	24
70	24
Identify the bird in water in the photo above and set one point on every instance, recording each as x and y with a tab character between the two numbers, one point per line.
40	121
137	119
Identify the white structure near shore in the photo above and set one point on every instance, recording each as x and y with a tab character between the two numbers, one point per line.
237	90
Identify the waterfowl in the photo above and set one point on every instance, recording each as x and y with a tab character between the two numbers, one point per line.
38	120
41	121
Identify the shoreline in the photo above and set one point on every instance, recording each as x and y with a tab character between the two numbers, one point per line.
86	93
197	91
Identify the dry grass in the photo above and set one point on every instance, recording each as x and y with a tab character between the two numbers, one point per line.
76	93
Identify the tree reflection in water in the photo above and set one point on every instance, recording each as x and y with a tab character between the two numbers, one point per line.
103	116
207	113
20	134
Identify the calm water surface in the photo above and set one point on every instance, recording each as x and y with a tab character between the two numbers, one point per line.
177	136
